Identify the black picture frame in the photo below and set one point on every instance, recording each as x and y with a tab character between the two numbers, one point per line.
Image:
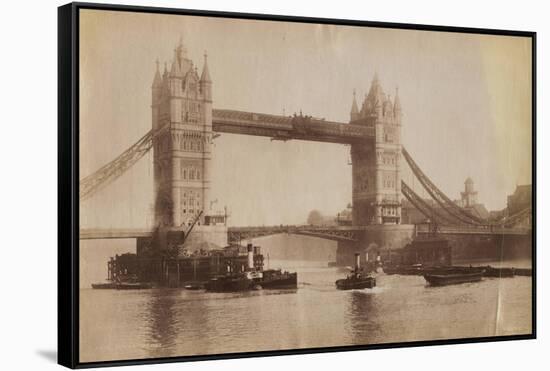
68	181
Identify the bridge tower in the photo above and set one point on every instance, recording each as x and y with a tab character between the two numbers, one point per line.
376	179
181	103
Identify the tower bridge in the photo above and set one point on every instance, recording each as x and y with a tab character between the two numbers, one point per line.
184	125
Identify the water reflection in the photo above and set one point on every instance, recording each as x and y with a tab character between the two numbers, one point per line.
162	322
361	313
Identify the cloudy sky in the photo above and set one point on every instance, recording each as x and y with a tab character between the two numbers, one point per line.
466	102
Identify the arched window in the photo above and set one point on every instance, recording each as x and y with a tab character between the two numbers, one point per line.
198	175
192	174
184	173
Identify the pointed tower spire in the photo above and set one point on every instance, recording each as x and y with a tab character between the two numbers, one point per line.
354	114
175	70
180	51
205	81
397	103
205	75
157	80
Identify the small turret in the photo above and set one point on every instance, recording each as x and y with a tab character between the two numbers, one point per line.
165	73
175	70
181	51
157	85
387	107
354	114
157	80
205	81
205	75
397	106
375	99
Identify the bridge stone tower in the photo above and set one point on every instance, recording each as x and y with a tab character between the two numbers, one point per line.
376	179
182	107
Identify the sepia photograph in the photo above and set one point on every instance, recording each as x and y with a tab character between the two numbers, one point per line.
264	185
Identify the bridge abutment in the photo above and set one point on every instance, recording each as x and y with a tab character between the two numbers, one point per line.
490	248
464	247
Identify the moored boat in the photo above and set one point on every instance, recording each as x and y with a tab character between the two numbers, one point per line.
104	285
193	287
402	270
499	272
453	278
422	270
523	272
133	285
229	283
278	279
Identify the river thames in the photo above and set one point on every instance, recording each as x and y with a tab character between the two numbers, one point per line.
176	322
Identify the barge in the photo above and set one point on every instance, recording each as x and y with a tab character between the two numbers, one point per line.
452	279
278	279
252	278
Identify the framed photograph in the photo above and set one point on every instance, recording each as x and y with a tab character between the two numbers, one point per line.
240	185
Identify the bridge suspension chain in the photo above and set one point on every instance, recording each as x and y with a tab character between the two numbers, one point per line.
445	202
114	169
427	210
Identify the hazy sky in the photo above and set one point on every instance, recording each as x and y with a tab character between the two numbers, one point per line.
466	102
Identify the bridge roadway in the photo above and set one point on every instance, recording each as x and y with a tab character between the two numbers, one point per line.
335	233
288	127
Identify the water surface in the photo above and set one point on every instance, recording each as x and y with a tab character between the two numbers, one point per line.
175	322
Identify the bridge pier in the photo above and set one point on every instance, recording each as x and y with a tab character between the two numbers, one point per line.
374	239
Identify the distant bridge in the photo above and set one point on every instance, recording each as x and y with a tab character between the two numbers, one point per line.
333	233
354	233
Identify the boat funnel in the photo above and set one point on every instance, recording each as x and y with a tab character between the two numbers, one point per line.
250	252
357	261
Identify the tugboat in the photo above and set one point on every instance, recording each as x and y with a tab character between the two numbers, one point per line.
357	279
